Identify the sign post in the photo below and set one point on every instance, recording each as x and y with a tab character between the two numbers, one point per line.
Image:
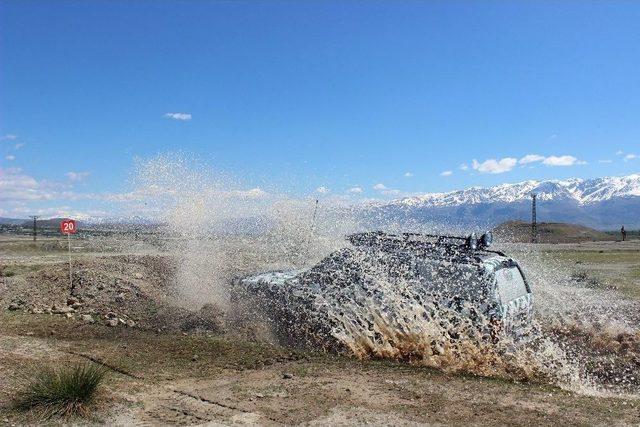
68	227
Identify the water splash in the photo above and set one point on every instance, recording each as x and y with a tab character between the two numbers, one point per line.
586	340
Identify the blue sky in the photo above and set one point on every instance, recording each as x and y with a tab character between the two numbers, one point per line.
297	96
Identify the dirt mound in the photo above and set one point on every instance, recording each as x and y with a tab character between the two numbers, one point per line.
122	290
548	232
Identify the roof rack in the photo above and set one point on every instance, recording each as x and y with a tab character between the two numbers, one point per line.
422	241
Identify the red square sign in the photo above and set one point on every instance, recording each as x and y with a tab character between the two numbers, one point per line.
68	226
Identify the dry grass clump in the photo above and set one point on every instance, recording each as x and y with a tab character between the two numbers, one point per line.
64	392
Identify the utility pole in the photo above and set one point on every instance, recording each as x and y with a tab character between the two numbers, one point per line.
35	230
534	221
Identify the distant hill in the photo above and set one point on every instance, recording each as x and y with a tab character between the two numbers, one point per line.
11	221
549	232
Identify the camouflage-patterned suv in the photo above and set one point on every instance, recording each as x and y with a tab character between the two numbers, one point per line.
445	273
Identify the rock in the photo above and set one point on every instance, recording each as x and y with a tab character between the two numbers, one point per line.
14	306
287	376
119	298
112	322
71	301
37	310
259	395
69	315
131	323
122	321
87	318
100	287
138	275
111	315
90	295
62	310
194	358
48	310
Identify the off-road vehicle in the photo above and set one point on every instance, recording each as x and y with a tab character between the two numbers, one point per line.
388	276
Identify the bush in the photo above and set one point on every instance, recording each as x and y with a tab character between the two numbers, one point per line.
67	391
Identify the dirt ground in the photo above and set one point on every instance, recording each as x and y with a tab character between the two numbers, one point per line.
171	366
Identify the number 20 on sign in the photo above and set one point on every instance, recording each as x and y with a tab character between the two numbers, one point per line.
68	226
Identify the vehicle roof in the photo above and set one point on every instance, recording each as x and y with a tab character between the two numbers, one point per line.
443	248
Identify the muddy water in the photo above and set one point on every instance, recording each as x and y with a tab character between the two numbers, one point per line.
586	340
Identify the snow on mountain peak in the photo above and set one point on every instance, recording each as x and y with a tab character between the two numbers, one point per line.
583	191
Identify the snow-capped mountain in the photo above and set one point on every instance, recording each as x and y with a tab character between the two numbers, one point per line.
604	203
582	191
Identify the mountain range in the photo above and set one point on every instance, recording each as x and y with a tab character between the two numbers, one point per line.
602	203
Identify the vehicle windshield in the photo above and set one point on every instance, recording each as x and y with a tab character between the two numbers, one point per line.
510	284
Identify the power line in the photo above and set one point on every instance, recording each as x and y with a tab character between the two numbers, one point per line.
35	230
534	221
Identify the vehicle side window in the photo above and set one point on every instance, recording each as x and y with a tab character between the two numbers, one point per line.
510	284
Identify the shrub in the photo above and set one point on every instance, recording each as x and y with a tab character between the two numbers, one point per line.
66	391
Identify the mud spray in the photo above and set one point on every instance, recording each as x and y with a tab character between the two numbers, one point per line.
586	340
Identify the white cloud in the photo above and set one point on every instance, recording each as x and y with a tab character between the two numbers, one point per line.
408	174
355	190
76	176
10	157
446	173
322	190
254	193
18	146
605	161
178	116
619	153
495	166
390	192
630	157
464	167
16	186
531	158
562	161
379	187
8	137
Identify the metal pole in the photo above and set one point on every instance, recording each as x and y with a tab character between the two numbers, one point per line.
534	220
70	276
35	230
313	220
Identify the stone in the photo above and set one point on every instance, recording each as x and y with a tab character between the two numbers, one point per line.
138	275
287	376
69	315
87	318
119	298
194	358
37	310
131	323
112	322
62	310
111	315
14	306
71	301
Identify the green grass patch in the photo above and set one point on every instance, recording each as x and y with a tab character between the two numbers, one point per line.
63	392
